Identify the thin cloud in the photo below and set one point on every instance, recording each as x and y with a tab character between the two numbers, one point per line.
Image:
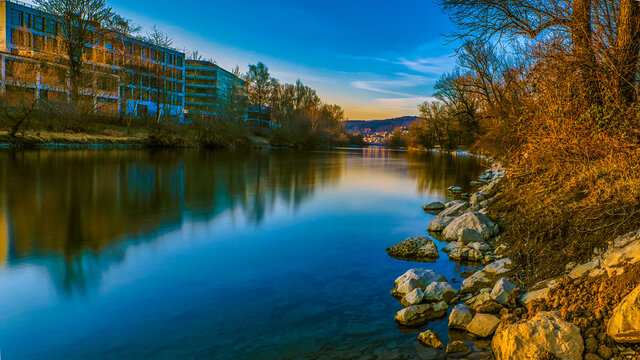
403	103
431	65
393	86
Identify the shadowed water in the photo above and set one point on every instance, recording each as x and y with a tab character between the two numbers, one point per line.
185	254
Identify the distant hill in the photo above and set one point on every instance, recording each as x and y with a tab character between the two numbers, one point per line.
372	126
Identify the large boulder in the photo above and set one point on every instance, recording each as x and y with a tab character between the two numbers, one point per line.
439	291
545	336
417	315
414	278
440	223
483	325
476	282
504	291
469	235
451	211
624	325
468	222
460	317
416	248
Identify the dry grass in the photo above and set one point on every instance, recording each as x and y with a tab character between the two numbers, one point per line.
52	137
569	190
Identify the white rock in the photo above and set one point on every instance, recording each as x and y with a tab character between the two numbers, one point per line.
475	282
473	221
439	291
543	337
625	251
414	278
534	295
413	298
460	317
420	314
503	291
499	267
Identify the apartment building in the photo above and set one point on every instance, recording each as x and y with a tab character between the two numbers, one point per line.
122	74
207	84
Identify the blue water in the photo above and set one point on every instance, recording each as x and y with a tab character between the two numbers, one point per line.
138	254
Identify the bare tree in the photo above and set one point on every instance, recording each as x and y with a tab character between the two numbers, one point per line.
259	82
489	20
628	46
82	24
160	41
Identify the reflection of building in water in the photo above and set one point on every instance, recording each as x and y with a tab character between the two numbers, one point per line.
87	207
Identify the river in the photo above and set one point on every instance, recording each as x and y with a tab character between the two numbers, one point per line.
270	254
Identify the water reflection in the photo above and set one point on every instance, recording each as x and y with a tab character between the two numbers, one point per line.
76	212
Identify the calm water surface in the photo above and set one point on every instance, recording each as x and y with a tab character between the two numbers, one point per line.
132	254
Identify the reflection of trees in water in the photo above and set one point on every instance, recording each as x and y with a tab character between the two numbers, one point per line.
80	205
256	181
78	211
436	171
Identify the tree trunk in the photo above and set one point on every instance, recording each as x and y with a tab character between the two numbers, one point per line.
628	48
582	35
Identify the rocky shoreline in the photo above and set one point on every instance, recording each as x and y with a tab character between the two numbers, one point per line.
591	312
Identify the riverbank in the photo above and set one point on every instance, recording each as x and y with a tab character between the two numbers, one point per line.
590	311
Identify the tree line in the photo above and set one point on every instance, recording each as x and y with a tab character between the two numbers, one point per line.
299	116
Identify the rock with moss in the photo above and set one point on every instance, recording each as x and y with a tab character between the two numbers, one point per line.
433	207
416	249
430	339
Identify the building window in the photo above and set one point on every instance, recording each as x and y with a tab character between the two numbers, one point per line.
17	18
17	37
38	23
38	42
51	27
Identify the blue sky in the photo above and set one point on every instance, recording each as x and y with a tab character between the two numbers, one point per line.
375	58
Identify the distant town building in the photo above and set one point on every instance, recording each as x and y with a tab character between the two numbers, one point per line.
123	73
207	85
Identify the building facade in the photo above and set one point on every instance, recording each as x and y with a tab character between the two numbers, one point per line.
207	85
122	73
